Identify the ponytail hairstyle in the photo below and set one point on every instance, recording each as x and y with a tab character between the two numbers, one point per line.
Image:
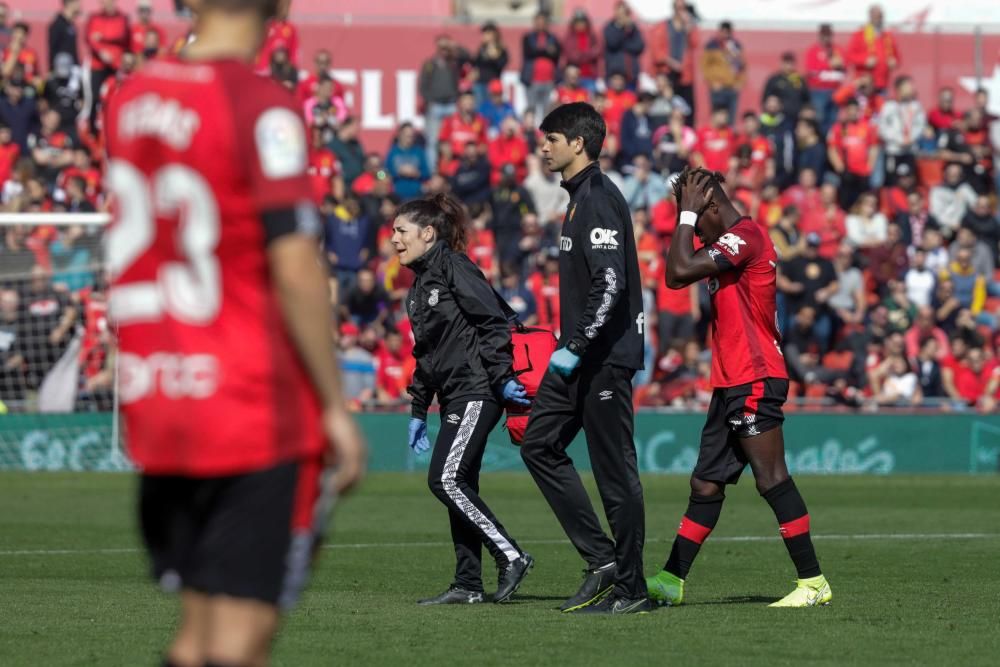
442	212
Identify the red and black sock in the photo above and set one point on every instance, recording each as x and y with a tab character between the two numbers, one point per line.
699	520
793	522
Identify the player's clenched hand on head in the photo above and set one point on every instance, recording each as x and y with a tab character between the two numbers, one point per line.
696	193
346	449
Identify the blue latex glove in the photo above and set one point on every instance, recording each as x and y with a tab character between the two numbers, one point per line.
514	392
418	436
563	362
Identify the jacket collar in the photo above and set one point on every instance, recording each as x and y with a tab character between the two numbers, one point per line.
429	258
573	184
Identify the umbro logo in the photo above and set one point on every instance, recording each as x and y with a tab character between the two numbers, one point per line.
454	419
606	395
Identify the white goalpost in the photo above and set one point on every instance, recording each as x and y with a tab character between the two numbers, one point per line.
58	360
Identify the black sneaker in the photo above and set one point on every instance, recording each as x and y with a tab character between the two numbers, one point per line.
596	584
510	577
615	606
453	595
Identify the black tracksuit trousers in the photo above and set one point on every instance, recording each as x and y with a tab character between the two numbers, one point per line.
454	478
600	401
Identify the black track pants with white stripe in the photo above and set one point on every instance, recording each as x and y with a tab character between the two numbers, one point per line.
598	400
454	479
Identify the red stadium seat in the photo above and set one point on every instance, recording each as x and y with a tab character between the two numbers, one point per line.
929	171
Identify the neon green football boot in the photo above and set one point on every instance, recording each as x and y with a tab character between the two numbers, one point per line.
665	589
813	592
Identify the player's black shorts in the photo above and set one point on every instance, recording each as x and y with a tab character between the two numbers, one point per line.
252	535
737	412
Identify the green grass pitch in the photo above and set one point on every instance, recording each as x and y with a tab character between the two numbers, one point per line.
74	590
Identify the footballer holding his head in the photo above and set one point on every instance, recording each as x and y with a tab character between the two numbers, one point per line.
750	385
229	386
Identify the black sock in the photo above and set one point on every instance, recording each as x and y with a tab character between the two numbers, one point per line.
700	518
793	522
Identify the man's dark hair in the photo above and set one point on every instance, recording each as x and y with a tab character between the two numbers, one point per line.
900	80
21	25
715	181
578	119
726	25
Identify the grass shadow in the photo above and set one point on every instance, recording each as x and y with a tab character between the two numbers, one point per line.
736	599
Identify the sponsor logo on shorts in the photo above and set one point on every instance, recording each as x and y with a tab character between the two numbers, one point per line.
606	395
714	252
713	285
454	418
565	244
434	298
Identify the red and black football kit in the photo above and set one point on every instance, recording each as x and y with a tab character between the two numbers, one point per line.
750	383
207	166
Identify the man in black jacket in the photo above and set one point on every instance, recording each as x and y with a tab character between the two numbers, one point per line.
62	33
589	381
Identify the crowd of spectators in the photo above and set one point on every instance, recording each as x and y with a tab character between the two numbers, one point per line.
883	211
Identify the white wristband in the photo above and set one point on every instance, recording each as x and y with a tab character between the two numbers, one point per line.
688	218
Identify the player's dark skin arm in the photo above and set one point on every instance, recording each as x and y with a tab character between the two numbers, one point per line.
684	265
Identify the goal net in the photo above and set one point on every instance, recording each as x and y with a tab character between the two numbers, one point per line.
57	350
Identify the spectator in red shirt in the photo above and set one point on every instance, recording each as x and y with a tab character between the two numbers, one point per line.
83	169
618	100
572	88
108	35
673	43
148	39
18	52
761	150
804	195
481	242
544	286
825	71
968	380
281	34
863	92
852	148
391	378
464	126
873	50
828	222
716	146
9	152
540	56
508	148
944	115
324	170
923	328
322	62
677	313
583	51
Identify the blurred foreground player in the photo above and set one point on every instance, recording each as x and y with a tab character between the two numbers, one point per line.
229	386
750	382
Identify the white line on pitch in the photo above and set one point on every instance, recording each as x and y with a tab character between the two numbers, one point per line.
420	545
